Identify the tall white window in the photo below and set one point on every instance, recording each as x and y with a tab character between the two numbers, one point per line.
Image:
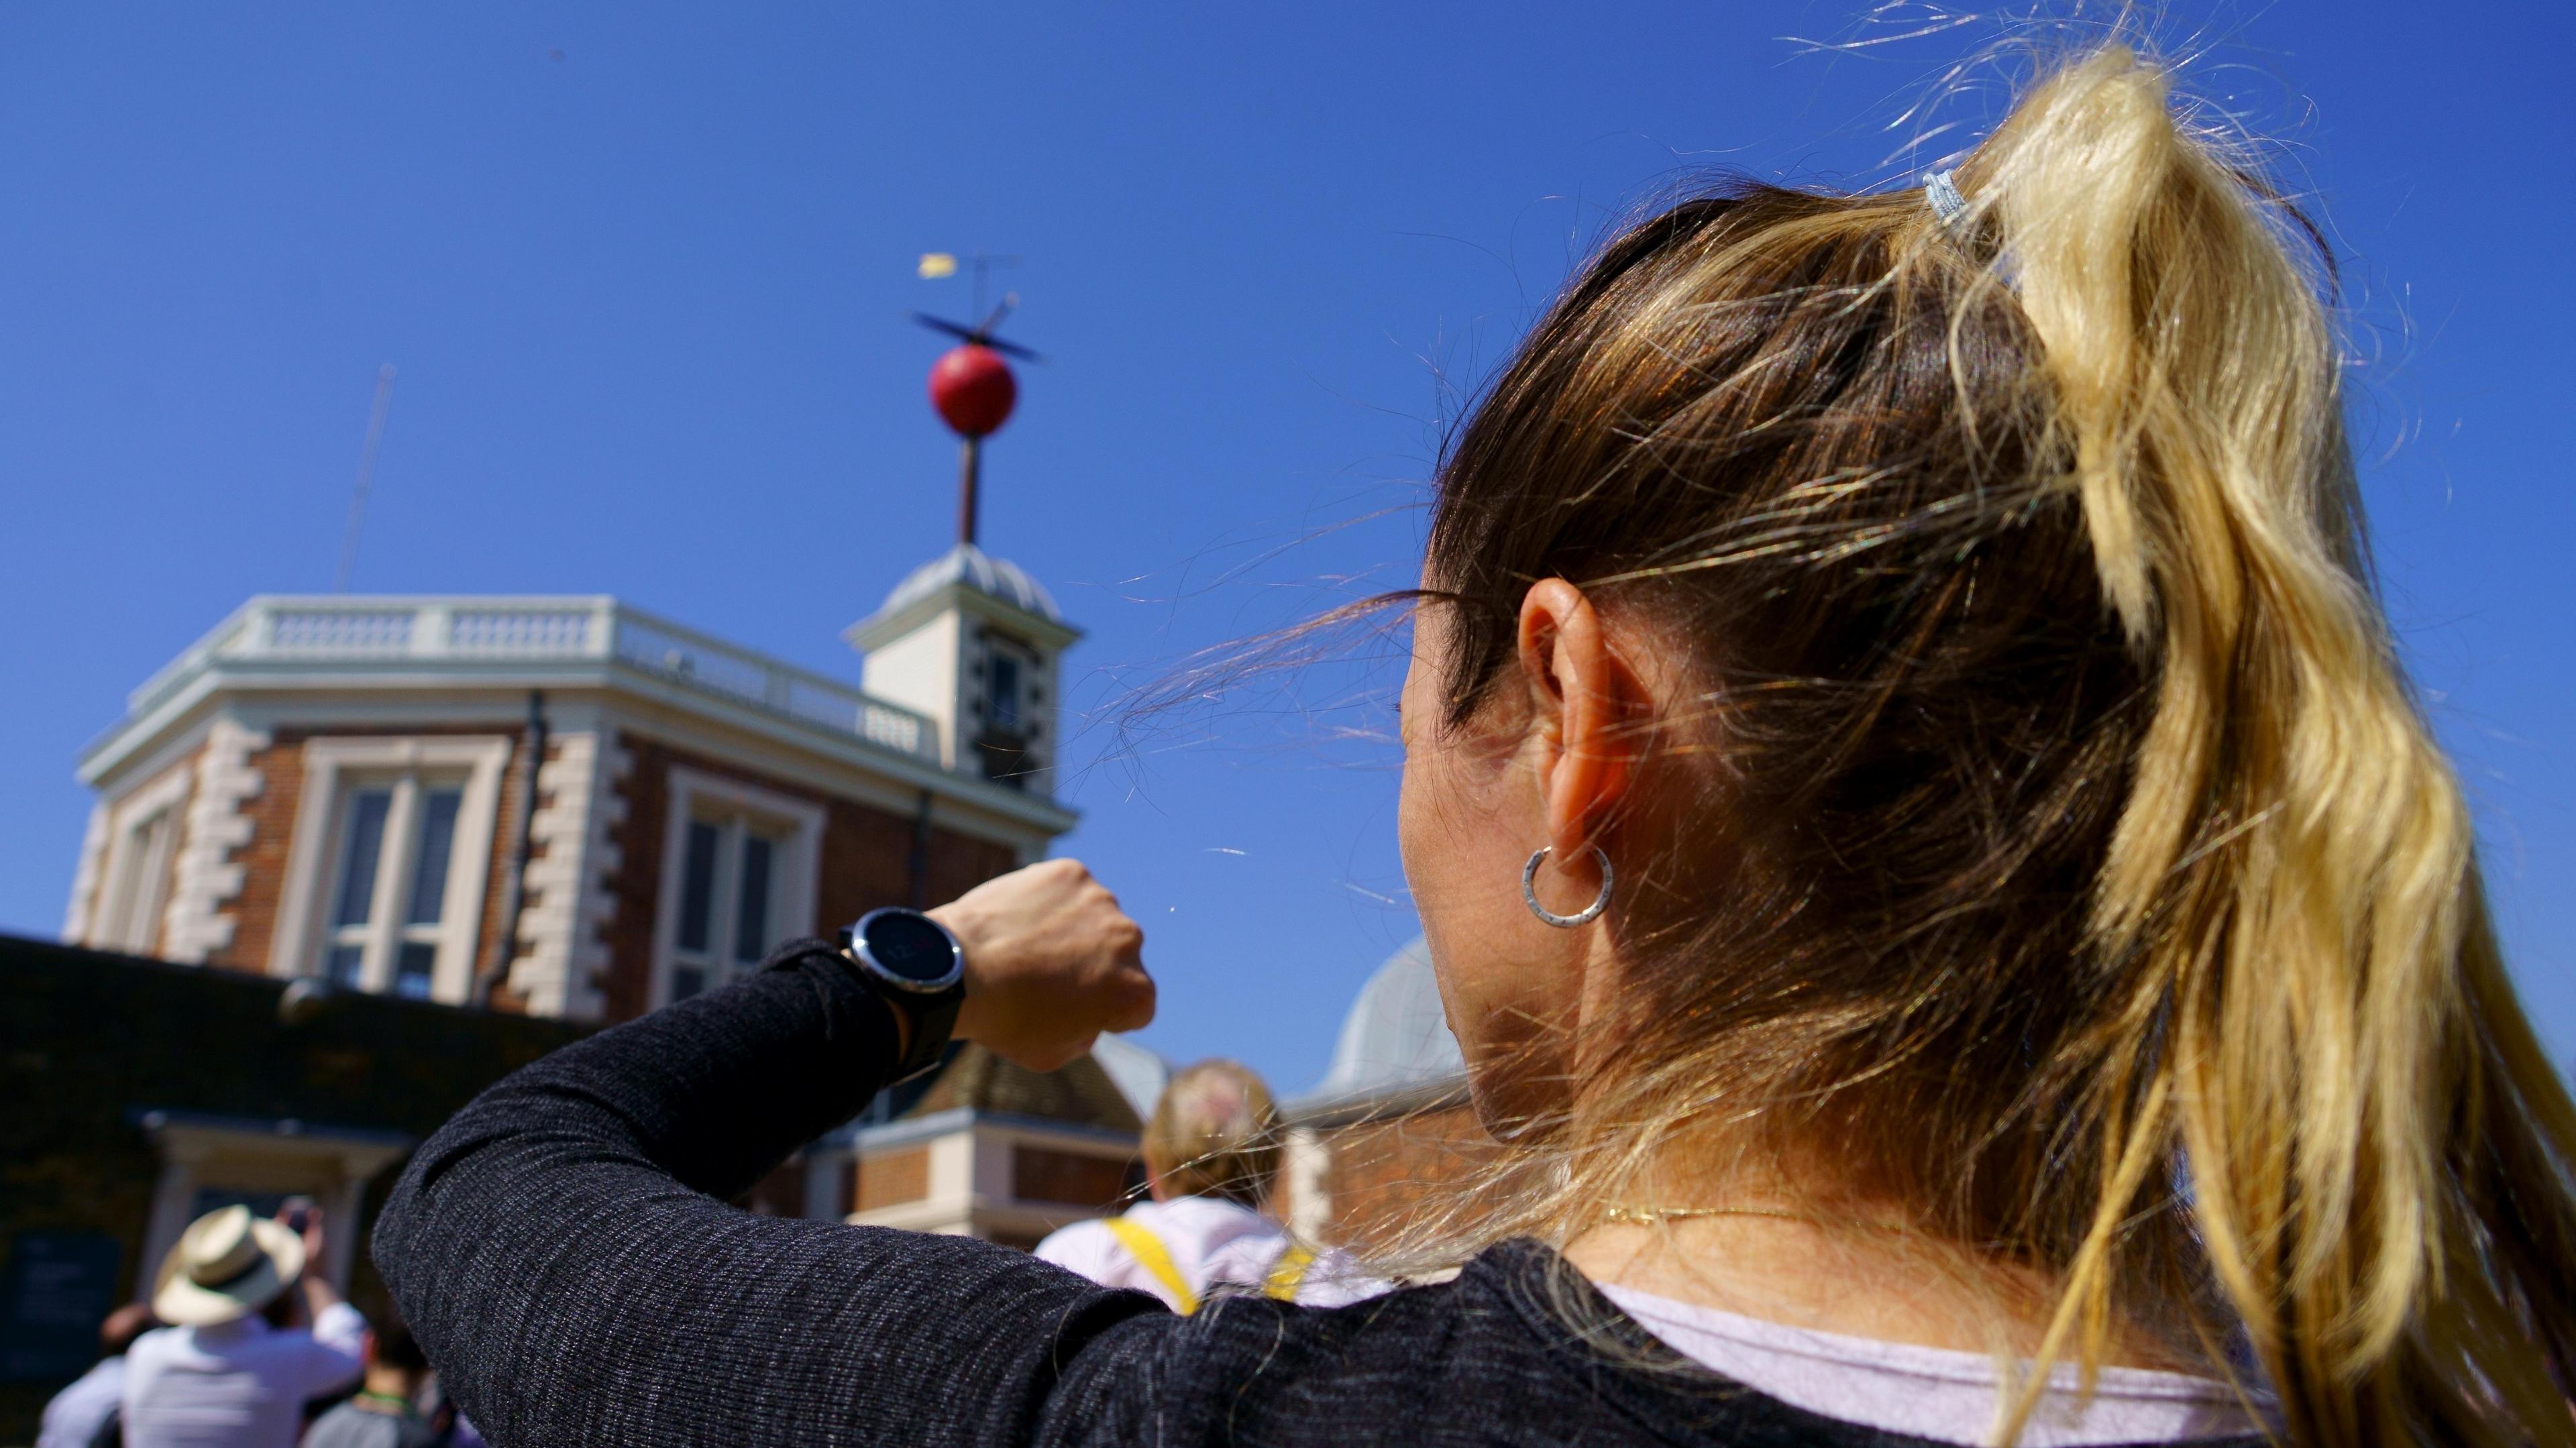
738	878
728	902
389	899
386	880
142	846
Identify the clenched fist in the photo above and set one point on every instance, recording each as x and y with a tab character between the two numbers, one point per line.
1051	962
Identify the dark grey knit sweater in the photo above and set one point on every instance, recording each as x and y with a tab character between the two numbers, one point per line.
564	1251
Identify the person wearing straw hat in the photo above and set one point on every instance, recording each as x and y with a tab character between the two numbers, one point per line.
233	1370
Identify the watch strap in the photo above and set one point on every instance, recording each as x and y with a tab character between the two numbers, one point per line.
933	1019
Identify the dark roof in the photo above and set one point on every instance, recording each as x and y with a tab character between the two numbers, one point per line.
1081	1092
974	568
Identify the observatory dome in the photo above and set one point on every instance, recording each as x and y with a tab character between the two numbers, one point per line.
974	568
1395	1036
1138	1072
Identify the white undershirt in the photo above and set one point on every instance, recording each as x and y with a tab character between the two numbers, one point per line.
1930	1392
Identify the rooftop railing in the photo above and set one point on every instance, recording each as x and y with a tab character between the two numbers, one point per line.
447	631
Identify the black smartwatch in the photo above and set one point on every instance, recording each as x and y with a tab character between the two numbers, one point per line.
917	967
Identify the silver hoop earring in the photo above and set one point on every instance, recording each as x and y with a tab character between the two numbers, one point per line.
1591	912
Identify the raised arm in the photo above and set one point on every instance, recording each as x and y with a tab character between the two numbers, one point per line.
563	1250
339	1334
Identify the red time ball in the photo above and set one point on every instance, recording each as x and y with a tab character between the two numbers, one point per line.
973	389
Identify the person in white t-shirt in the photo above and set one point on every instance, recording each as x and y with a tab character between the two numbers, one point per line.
235	1370
1211	1160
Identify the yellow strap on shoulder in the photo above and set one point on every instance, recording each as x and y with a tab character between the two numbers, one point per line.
1287	1272
1156	1259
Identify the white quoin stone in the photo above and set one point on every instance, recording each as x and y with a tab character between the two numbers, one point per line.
197	925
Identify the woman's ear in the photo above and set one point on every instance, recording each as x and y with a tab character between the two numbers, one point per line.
1587	707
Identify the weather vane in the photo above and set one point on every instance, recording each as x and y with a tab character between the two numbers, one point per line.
970	384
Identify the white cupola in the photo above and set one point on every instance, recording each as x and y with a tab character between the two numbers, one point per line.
973	642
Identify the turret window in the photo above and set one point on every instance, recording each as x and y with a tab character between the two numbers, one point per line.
1003	693
1006	712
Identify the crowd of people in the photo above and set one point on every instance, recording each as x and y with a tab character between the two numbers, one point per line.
245	1343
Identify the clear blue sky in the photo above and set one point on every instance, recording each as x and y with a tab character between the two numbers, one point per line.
643	267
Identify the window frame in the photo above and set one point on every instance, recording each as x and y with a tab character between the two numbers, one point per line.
1005	707
135	880
336	770
1009	746
388	928
794	828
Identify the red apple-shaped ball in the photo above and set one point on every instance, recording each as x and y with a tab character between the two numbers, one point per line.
973	389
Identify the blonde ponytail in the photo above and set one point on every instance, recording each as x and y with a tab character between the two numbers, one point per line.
2293	868
2082	878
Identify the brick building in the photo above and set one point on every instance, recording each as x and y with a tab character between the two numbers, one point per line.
573	809
340	787
988	1150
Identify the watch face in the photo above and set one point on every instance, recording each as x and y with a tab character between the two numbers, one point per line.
909	947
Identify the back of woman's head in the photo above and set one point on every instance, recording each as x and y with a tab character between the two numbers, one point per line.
1214	1133
2079	869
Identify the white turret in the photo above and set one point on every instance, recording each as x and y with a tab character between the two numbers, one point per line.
973	642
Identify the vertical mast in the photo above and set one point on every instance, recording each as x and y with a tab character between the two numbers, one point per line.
366	476
970	457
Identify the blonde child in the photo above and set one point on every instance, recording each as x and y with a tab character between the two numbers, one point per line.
1211	1170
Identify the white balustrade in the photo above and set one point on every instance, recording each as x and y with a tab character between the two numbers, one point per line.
481	630
519	632
353	633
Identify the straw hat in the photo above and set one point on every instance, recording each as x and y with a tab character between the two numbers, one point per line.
228	1264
